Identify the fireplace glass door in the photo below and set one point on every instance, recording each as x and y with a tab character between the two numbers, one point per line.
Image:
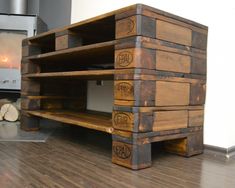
10	59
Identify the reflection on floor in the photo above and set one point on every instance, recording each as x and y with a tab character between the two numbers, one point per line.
76	157
10	131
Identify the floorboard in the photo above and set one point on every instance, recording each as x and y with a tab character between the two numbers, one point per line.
78	157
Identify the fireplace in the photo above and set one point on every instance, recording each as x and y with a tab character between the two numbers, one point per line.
10	58
13	29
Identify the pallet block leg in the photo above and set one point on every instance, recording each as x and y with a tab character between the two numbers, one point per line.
132	156
189	146
29	123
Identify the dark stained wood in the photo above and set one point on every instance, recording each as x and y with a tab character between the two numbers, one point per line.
168	120
157	62
67	39
135	58
138	93
172	93
198	66
28	122
30	104
189	146
199	40
197	94
134	122
172	62
30	49
92	48
135	25
173	33
90	74
196	118
29	67
131	156
30	87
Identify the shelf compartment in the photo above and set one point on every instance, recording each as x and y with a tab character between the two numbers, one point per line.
89	119
102	48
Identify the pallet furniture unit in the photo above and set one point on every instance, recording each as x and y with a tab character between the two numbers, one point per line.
157	62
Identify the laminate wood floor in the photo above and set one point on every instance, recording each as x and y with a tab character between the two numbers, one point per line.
75	157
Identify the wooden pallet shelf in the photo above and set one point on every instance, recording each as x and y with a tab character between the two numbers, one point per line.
154	64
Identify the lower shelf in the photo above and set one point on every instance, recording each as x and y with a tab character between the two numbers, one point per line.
91	120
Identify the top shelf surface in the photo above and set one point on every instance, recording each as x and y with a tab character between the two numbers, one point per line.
137	9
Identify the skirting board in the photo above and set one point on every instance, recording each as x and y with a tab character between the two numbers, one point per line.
225	153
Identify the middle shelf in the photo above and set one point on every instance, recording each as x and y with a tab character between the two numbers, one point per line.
91	74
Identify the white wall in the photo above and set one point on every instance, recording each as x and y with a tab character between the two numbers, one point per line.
219	16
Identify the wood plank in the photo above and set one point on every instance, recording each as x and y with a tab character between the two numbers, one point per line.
197	94
168	120
136	25
131	156
189	146
81	50
172	93
79	74
126	27
124	90
133	122
172	62
88	120
196	118
163	45
142	92
173	33
171	17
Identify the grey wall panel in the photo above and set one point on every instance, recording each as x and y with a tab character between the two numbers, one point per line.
56	13
4	6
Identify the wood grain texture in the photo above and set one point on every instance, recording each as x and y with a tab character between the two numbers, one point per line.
173	33
198	65
88	120
30	87
134	122
126	27
29	67
131	156
168	120
167	61
172	93
135	25
28	122
30	104
156	60
135	58
89	74
197	94
67	39
199	40
141	92
196	118
72	157
189	146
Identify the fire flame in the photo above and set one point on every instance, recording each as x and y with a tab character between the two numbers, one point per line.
4	59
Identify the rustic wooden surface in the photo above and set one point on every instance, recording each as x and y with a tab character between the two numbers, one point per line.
157	62
91	121
77	159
